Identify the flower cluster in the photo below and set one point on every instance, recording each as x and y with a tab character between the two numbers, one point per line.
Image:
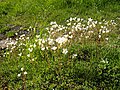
75	30
60	37
23	72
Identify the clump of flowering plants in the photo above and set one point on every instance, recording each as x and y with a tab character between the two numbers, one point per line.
58	52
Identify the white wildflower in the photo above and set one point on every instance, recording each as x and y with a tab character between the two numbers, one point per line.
103	31
22	69
22	35
71	36
43	41
20	54
100	22
51	29
104	61
67	21
107	31
42	48
102	26
65	51
86	37
54	26
68	24
52	23
28	55
37	36
33	59
47	28
16	33
31	45
39	41
54	48
25	73
50	41
78	19
28	38
74	55
99	36
70	32
90	19
36	40
61	40
19	75
30	49
34	45
13	47
107	39
71	19
93	24
66	36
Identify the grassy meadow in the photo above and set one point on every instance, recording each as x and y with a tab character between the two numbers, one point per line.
71	45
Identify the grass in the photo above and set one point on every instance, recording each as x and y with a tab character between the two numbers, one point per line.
74	45
41	12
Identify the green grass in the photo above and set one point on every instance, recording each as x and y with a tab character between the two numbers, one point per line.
71	51
40	12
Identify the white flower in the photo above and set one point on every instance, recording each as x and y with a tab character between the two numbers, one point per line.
39	41
28	55
104	61
93	24
22	35
68	24
71	19
78	19
31	45
47	28
33	59
89	32
61	40
66	36
86	36
103	31
90	19
22	69
27	38
70	32
74	55
54	26
16	33
19	75
50	41
107	31
37	36
54	48
100	22
65	51
42	48
20	54
30	49
99	36
74	18
51	29
34	45
43	41
11	43
25	73
107	39
71	36
52	23
67	21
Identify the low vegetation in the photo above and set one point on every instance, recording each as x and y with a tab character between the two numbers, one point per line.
71	45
